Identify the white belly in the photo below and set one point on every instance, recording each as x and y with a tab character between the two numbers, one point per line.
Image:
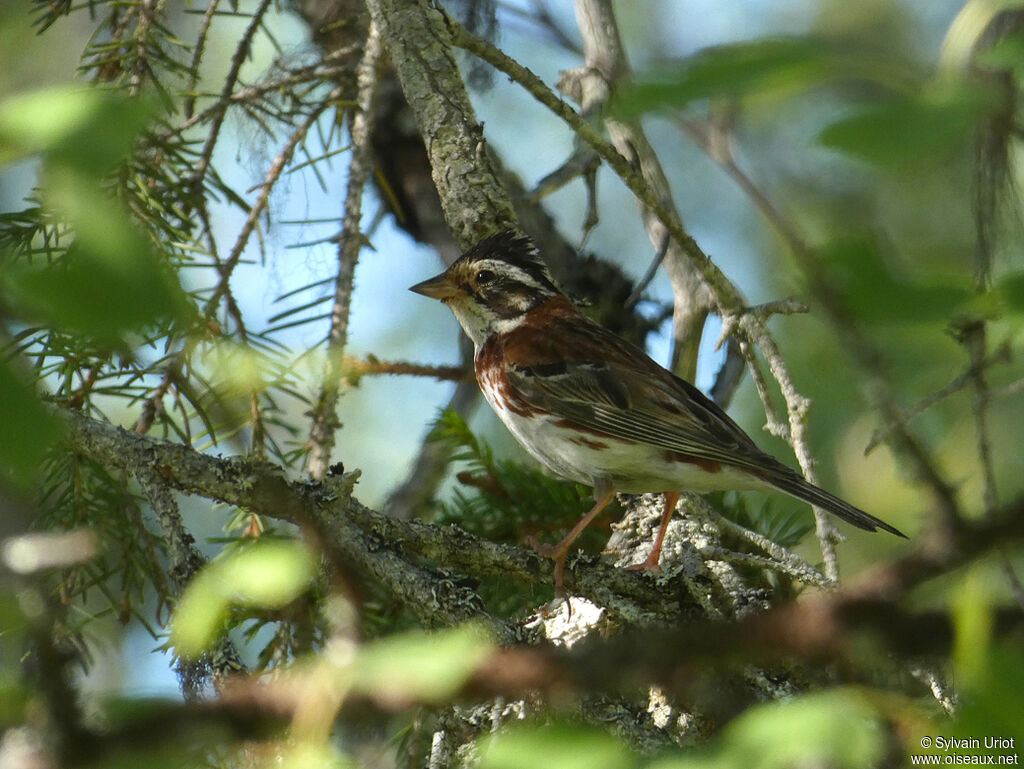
632	468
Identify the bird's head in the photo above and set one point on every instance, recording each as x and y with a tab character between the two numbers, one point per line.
492	286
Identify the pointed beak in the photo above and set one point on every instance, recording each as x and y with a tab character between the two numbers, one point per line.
438	287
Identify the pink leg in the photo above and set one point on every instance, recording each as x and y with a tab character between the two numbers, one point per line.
651	564
558	553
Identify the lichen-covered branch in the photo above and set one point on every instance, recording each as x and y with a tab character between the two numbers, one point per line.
385	548
475	203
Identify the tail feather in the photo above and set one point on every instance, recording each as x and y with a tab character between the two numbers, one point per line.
796	485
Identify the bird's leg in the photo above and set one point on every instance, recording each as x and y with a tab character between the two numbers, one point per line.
603	494
651	564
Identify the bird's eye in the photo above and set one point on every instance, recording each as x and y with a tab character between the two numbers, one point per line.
484	277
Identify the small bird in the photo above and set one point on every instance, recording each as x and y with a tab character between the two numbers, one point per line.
593	408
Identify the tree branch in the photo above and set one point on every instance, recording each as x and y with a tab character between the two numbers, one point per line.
475	203
376	544
607	68
350	243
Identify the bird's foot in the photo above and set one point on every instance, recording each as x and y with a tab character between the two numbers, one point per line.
556	553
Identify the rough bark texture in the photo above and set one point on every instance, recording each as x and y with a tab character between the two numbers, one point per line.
474	202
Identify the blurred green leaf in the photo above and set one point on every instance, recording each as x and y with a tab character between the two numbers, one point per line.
972	622
990	702
419	666
89	130
910	131
1010	289
762	67
561	745
306	754
29	429
97	292
1005	54
264	575
835	729
873	292
111	281
14	697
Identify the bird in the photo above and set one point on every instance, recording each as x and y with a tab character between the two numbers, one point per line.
594	408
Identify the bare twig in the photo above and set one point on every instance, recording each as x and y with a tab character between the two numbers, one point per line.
797	407
607	68
652	271
879	389
202	35
350	243
973	337
255	211
882	432
353	369
237	60
726	294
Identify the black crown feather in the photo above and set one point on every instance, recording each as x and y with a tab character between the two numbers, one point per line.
516	250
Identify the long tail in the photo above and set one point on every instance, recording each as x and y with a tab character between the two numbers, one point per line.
788	480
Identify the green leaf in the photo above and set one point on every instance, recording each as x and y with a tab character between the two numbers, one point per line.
910	131
991	702
29	430
419	666
1005	54
1010	289
86	129
263	575
835	729
88	294
873	292
762	67
972	622
561	745
111	281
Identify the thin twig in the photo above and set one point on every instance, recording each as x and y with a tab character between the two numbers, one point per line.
961	381
237	60
973	337
350	243
726	293
867	357
202	35
652	270
185	561
256	210
353	369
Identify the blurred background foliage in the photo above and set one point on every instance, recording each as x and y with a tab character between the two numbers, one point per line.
171	178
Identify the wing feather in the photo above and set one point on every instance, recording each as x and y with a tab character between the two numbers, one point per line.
590	376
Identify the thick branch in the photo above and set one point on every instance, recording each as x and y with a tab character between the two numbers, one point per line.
474	202
376	544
